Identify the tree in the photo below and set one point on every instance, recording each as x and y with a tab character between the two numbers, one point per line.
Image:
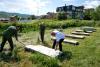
88	14
17	17
62	16
32	17
96	14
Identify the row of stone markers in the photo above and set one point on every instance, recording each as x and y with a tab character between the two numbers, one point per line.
79	34
54	53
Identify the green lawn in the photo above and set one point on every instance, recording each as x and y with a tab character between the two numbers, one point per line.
87	54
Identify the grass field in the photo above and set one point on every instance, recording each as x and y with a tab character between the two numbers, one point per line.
87	54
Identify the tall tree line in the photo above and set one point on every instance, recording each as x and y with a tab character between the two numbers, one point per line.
92	14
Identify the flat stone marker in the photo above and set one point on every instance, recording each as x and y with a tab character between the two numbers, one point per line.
89	29
81	33
44	50
68	41
75	36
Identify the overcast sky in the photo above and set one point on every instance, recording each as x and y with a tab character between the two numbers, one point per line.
39	7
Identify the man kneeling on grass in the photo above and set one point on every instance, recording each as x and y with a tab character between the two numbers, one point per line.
7	36
59	39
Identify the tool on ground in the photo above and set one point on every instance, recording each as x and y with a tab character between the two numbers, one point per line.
22	43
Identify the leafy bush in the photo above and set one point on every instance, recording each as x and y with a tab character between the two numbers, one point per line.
62	16
51	24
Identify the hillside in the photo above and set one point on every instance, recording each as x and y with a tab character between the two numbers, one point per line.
7	14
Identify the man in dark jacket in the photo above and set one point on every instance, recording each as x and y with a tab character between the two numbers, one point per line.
7	36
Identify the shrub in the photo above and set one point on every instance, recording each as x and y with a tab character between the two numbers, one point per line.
51	24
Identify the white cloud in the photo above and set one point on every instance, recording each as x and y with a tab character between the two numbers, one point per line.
91	3
25	6
39	7
67	0
86	3
93	0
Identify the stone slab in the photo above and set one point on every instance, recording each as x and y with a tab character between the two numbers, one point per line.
89	29
68	41
75	36
44	50
81	33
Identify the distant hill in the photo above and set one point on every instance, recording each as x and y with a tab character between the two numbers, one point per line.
7	14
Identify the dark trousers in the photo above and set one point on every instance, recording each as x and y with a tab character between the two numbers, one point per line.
4	39
60	44
42	32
